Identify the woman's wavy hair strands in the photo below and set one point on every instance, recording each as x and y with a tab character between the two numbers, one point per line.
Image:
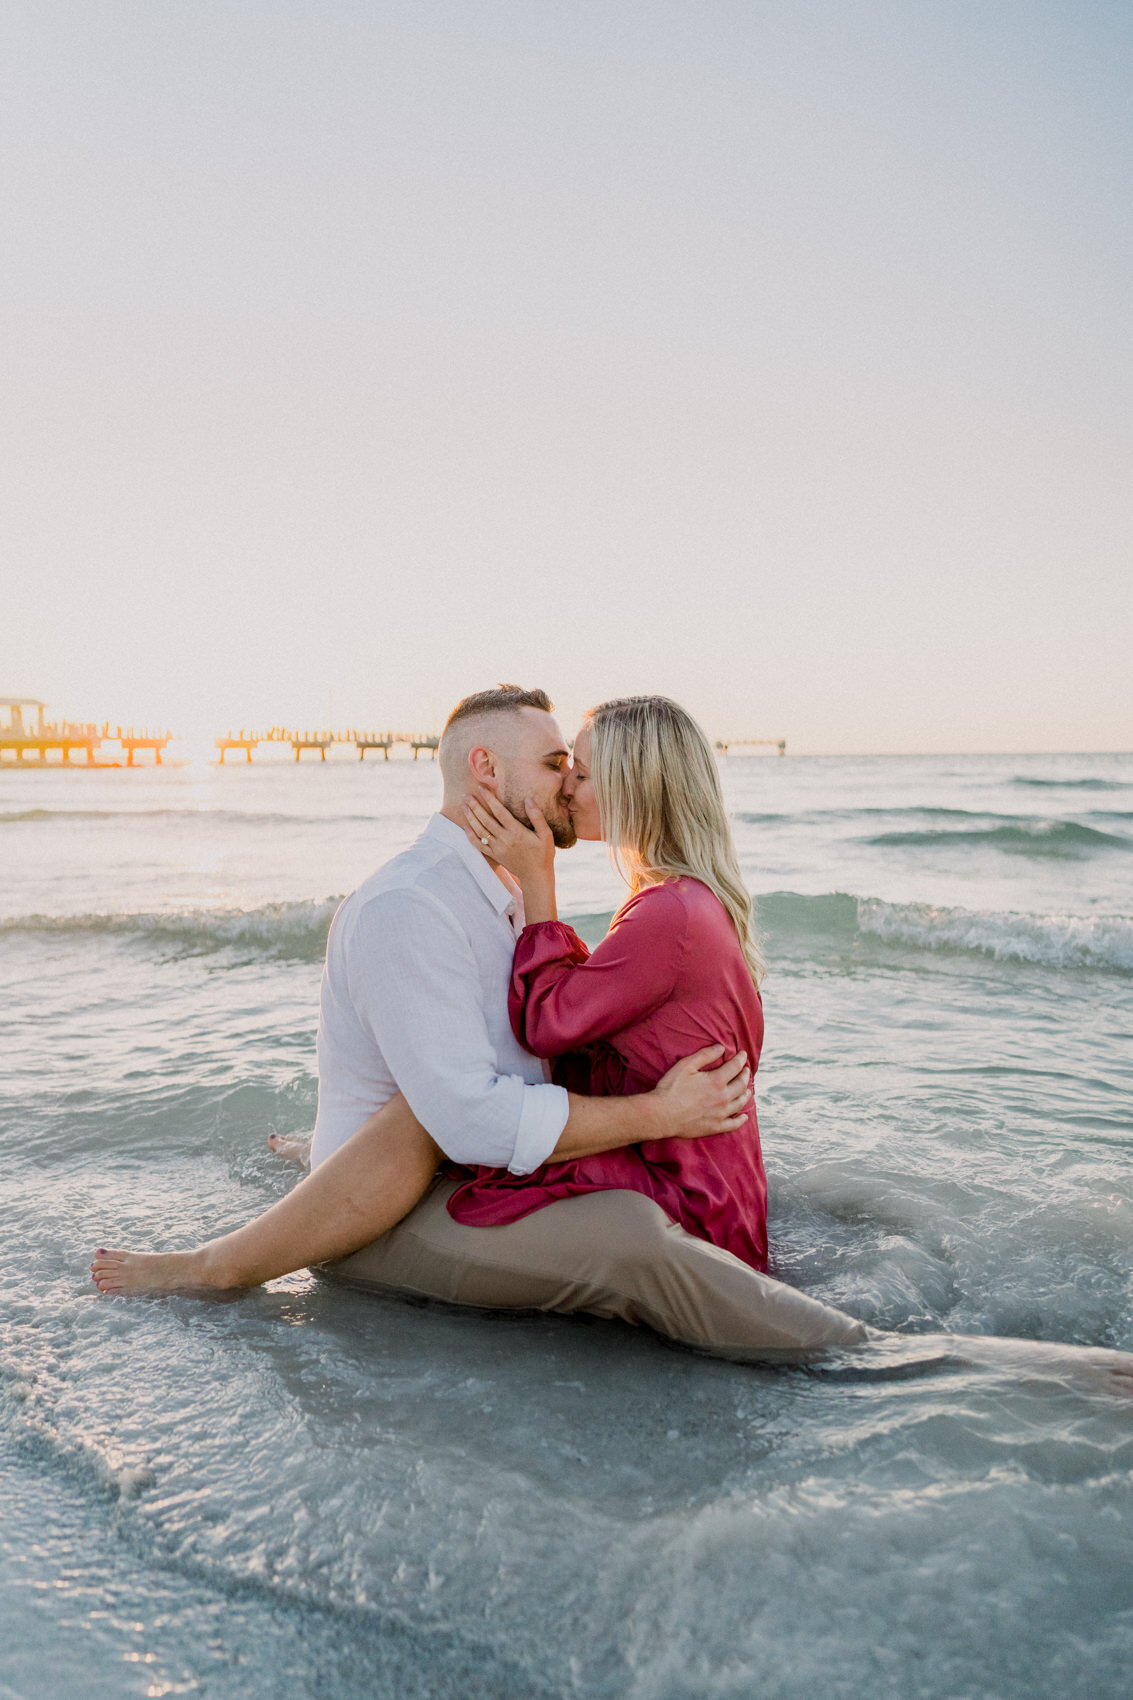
659	796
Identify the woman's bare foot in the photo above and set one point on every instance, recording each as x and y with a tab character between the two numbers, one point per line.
156	1272
295	1147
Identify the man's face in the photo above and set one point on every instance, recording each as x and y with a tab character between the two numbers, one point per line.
532	761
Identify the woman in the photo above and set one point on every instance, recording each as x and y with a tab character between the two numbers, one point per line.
678	970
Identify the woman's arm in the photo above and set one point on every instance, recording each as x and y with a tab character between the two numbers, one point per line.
526	852
563	997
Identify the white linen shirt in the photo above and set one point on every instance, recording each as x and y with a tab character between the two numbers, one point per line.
414	999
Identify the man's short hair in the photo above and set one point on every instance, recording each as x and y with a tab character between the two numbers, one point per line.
503	699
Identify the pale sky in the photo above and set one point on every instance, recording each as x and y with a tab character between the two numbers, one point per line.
773	355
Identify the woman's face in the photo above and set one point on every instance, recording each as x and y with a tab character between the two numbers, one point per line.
578	789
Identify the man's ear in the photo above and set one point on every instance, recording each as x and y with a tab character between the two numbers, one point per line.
482	766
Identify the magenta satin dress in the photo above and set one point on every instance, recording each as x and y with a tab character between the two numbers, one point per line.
668	979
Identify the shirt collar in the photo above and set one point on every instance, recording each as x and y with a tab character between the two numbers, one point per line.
503	901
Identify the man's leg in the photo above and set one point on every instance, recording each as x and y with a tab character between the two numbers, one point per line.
360	1190
613	1254
617	1254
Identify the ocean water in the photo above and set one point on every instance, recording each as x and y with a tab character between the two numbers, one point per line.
310	1492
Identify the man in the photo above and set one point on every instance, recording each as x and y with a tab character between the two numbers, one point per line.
414	999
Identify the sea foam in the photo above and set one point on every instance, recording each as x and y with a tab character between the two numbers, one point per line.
275	929
300	929
1058	941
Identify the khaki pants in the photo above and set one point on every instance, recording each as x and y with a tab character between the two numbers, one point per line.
614	1254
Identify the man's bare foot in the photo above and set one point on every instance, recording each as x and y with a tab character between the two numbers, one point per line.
295	1147
155	1272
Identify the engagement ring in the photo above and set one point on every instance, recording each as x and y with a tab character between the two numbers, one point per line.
483	841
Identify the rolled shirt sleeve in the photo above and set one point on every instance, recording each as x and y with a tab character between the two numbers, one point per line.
415	986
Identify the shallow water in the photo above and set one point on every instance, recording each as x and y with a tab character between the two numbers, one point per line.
309	1491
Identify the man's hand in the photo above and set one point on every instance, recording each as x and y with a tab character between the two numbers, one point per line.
697	1098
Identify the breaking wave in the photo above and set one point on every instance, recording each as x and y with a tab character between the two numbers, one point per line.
1057	941
218	816
925	824
276	929
299	930
1065	838
1075	784
919	811
839	919
786	914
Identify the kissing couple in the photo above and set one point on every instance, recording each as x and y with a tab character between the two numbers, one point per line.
508	1120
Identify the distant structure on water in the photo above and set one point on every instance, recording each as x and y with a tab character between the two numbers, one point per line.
28	733
725	744
22	740
322	741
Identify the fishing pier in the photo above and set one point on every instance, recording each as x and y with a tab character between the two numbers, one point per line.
44	736
367	741
322	741
301	741
237	742
724	744
132	741
29	734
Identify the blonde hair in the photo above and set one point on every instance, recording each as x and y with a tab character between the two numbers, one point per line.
659	796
